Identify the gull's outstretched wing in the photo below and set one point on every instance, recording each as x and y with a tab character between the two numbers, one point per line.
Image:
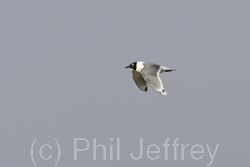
139	80
151	74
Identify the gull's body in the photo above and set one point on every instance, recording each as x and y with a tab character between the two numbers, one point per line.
145	73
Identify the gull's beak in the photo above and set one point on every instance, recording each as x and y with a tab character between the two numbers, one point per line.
127	67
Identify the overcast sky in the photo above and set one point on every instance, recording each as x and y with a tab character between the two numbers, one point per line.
62	76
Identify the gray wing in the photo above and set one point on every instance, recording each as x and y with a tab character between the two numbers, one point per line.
151	74
139	81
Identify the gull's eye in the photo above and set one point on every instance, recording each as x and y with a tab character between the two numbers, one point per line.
132	64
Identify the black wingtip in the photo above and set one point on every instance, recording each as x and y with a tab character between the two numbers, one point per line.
170	70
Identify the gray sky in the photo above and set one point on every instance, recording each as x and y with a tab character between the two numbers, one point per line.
62	76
